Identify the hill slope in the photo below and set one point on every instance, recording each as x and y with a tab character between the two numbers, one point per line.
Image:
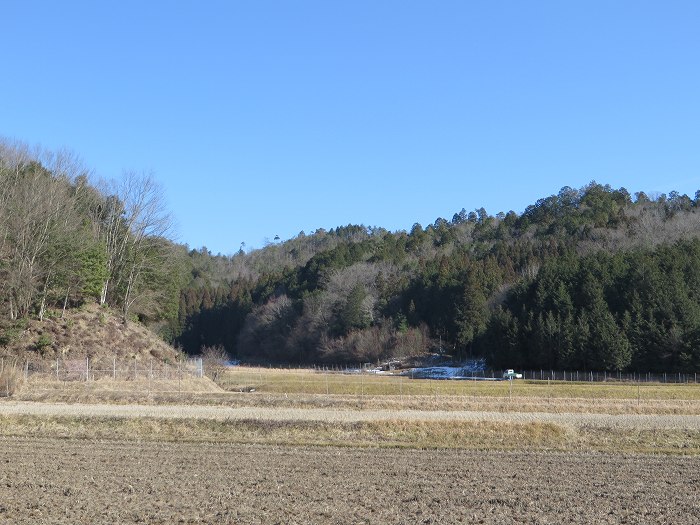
589	279
86	331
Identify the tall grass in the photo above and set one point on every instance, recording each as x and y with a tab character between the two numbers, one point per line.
11	377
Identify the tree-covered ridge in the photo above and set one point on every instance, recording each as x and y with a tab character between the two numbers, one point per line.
65	241
590	278
478	285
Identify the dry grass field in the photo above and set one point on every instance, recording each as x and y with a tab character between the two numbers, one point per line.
281	446
309	381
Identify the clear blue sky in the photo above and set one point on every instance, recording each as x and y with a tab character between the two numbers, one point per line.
267	118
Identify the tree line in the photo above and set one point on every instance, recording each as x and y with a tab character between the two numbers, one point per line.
592	278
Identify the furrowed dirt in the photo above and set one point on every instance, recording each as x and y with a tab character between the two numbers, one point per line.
100	482
93	456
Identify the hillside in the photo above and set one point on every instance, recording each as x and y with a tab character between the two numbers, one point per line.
594	278
591	278
90	330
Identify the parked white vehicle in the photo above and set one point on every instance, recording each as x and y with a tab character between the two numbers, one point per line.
511	374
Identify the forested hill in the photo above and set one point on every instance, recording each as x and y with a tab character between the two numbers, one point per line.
589	279
592	278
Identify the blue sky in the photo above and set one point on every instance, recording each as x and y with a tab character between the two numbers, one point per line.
266	118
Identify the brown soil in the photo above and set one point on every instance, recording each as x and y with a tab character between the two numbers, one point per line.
80	482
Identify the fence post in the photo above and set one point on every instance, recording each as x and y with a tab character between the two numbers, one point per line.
510	389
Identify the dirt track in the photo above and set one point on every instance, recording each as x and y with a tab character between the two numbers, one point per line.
637	421
80	482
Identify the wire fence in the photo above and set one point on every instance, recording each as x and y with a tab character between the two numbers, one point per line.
363	381
458	373
118	369
130	376
622	377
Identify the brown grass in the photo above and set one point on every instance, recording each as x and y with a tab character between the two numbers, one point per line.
401	432
462	435
205	392
309	381
89	330
157	391
11	379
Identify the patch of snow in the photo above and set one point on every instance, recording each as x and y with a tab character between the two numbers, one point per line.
472	370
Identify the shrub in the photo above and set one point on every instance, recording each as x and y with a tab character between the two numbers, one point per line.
43	342
9	336
214	358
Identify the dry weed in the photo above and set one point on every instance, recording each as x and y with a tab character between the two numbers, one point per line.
461	435
11	377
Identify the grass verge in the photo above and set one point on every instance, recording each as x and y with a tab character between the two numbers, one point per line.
386	434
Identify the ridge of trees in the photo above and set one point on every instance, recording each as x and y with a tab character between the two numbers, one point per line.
592	278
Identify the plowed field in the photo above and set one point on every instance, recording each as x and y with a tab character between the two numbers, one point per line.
80	481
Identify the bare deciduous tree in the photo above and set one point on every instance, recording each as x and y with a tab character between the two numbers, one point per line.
133	222
36	216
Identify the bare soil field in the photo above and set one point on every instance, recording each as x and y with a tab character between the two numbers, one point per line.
57	481
188	452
